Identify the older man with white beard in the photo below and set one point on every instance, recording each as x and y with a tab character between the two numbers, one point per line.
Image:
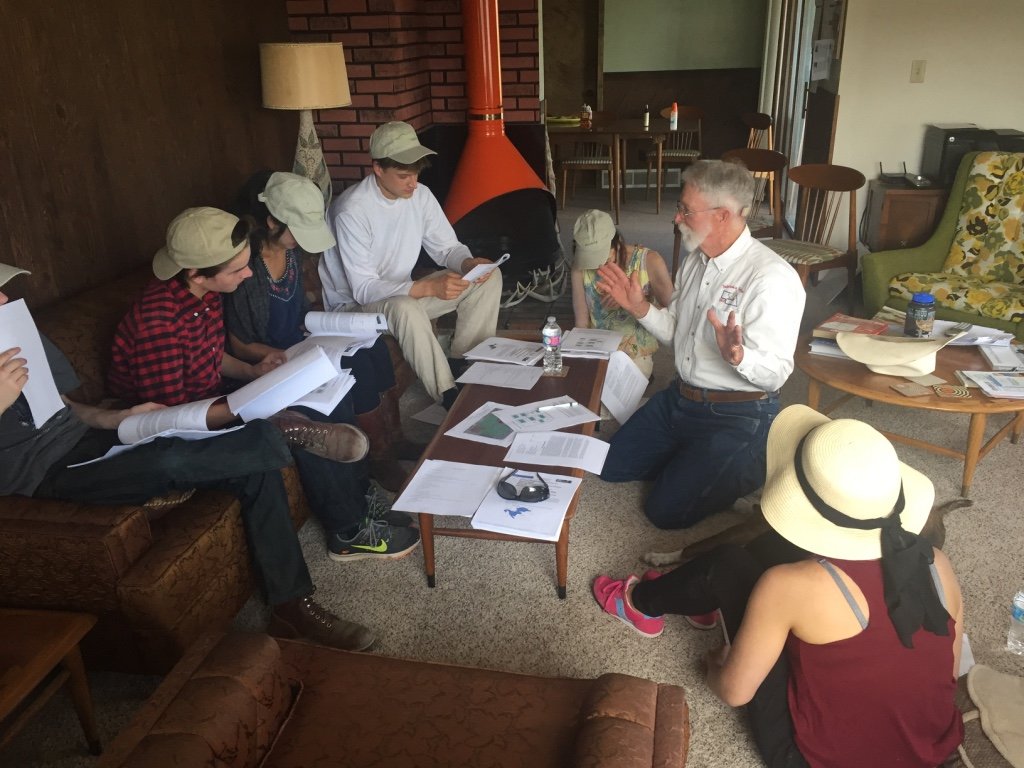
733	323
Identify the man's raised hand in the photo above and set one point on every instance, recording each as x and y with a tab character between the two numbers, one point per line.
728	336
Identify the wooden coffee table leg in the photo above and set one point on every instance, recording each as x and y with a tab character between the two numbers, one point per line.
813	393
427	543
78	687
975	433
1018	427
562	559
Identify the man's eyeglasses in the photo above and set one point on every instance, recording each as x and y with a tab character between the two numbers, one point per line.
523	486
681	210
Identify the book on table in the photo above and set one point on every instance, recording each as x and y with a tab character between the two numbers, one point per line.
838	322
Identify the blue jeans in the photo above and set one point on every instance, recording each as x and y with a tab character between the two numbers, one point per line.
701	456
245	463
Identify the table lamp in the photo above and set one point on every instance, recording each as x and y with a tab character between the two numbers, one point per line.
306	76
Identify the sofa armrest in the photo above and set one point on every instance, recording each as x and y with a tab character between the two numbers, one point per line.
627	721
223	704
60	554
878	268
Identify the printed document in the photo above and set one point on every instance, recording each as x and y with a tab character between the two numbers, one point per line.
484	427
481	271
447	488
535	520
593	343
547	415
282	386
499	350
624	385
558	449
501	375
18	329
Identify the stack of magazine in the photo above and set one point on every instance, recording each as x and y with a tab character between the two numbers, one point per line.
997	383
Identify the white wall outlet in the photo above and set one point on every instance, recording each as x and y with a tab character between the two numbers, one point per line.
917	70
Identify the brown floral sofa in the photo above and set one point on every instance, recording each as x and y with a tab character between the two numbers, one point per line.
158	576
248	701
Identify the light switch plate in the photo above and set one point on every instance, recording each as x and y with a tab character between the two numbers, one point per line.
917	70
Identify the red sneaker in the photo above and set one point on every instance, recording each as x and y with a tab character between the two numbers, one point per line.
703	620
611	596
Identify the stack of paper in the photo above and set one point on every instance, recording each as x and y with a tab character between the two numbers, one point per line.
593	343
499	350
995	384
1002	358
827	329
828	348
534	520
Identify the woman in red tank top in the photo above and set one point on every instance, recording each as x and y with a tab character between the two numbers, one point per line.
845	623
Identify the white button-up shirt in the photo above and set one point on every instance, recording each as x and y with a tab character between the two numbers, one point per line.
765	293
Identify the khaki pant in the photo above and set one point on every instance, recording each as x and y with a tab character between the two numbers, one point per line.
409	322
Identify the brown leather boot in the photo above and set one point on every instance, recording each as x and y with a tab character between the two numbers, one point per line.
383	466
401	446
307	619
337	442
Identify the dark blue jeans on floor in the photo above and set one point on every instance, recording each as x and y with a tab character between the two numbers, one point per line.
245	463
701	456
374	374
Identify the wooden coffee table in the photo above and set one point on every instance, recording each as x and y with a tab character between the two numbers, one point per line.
33	644
856	380
582	383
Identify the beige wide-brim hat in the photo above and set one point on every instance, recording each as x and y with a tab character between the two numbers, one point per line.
593	233
7	272
853	468
893	355
298	203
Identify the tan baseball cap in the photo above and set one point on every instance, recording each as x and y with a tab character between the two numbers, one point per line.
299	204
7	272
593	233
197	238
397	141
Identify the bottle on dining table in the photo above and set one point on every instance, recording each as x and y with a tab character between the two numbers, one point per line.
647	116
586	116
673	117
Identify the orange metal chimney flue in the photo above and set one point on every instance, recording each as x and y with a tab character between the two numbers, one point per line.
490	166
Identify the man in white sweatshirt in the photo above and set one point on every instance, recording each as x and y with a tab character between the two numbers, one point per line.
380	225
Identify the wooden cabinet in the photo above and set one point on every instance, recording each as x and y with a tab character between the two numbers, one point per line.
900	217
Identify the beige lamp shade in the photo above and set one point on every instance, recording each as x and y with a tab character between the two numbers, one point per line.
304	76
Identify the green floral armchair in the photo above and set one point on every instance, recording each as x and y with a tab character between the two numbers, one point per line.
973	264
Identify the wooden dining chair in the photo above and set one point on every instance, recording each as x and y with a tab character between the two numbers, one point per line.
680	147
766	165
821	189
595	153
761	127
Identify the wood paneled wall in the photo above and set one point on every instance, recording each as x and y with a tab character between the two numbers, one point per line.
118	114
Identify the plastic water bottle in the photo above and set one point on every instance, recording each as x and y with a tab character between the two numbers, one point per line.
1015	637
647	116
673	117
552	337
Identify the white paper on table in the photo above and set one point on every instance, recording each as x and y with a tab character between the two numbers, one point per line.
447	488
624	385
536	520
186	417
592	343
181	434
501	375
18	329
282	386
345	323
484	427
499	350
558	449
976	335
483	270
529	417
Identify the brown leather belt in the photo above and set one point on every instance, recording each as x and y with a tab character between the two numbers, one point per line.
717	395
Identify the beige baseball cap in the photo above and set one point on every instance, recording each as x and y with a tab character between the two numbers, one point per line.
299	204
593	233
7	272
197	238
397	141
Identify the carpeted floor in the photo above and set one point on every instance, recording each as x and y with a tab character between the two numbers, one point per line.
495	603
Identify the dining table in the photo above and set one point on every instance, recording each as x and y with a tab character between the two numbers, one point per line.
621	130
